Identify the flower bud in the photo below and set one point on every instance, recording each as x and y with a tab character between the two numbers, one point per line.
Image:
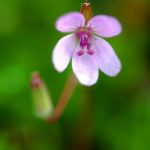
41	98
86	10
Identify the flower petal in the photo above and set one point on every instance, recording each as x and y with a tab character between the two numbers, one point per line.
105	26
63	51
70	22
85	69
105	57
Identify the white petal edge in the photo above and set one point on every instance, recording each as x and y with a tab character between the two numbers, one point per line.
84	69
70	22
63	51
105	26
105	57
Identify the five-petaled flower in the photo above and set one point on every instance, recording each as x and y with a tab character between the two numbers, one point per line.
89	52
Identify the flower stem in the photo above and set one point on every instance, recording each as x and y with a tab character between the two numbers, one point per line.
64	98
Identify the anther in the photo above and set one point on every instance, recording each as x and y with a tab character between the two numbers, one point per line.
80	53
90	52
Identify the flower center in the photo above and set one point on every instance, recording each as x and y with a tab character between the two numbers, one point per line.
85	45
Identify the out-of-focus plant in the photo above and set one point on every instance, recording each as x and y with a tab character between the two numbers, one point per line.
42	101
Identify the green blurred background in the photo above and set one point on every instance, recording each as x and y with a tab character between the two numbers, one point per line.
112	115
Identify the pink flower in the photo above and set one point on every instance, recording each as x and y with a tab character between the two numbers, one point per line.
89	52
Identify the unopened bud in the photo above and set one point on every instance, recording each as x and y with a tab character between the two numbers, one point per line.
41	97
86	10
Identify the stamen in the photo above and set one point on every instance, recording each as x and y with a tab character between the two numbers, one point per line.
88	46
80	53
83	43
84	37
90	52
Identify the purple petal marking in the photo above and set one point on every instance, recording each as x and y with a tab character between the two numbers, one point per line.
63	51
105	57
70	22
84	68
105	26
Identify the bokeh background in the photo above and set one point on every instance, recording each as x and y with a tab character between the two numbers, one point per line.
112	115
